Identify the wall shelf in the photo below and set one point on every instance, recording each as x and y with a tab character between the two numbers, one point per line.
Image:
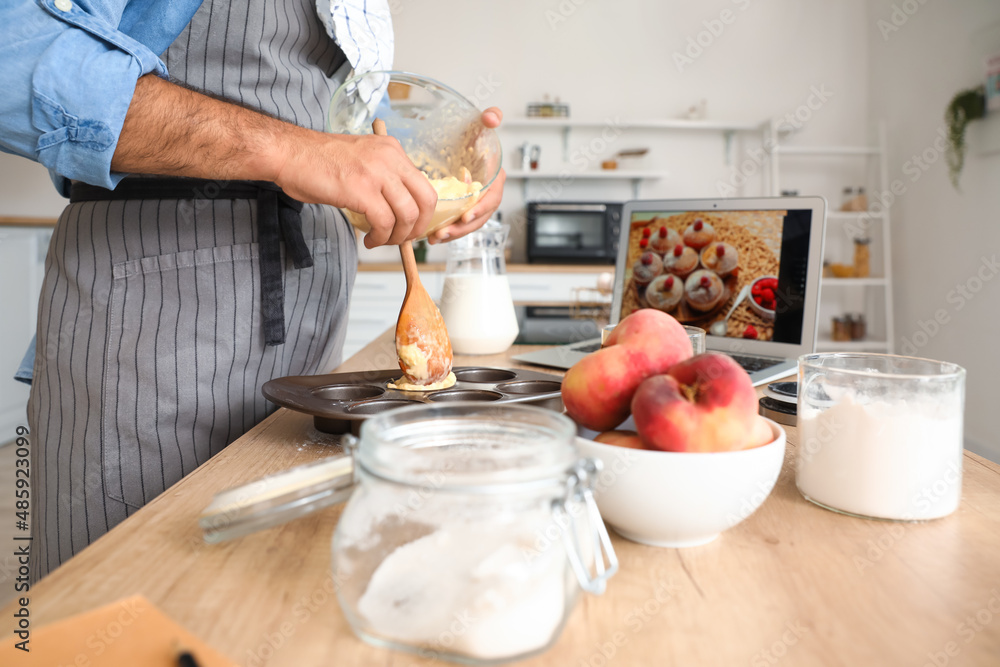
854	282
636	177
727	128
648	124
851	216
833	151
829	345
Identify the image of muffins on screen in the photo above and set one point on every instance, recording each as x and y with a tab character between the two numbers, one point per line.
665	292
694	265
648	266
722	258
681	260
664	240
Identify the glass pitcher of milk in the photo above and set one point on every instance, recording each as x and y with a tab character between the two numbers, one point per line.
476	303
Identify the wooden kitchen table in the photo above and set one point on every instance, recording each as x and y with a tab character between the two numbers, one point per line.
793	584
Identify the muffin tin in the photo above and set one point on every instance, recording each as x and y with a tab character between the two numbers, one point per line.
340	402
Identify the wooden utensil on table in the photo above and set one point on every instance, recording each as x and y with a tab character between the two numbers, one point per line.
423	348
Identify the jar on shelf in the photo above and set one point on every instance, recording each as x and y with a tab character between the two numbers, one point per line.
858	326
846	197
862	257
841	329
860	200
854	199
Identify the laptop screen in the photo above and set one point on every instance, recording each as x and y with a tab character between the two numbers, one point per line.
704	265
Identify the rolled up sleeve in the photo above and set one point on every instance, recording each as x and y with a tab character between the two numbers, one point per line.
68	80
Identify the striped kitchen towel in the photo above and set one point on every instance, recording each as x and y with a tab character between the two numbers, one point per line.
363	31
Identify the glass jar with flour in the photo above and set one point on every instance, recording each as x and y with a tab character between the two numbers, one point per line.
880	435
471	532
476	304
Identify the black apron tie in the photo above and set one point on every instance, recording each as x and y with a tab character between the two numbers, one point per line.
277	213
278	220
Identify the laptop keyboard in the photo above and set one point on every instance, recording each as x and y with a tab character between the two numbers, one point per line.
751	364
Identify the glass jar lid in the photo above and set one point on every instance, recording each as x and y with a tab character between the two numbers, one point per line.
277	499
469	447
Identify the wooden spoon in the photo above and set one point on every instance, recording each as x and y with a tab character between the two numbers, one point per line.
423	348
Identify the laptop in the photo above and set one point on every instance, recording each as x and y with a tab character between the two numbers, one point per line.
774	238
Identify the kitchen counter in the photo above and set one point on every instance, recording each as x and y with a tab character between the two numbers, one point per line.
511	268
793	584
26	221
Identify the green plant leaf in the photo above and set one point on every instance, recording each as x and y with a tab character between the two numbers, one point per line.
967	105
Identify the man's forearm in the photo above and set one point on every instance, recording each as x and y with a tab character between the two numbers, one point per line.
173	131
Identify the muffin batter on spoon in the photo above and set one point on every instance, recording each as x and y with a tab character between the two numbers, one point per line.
423	348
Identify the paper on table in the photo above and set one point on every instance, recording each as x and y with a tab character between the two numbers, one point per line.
130	631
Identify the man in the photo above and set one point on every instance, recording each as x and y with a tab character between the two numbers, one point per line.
166	302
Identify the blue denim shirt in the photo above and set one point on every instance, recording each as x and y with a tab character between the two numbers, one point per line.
68	75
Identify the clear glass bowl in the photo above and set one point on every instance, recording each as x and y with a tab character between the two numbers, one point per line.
440	130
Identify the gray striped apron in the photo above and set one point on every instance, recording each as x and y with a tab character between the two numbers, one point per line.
150	353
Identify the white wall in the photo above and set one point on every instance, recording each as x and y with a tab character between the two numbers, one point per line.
616	59
941	236
26	190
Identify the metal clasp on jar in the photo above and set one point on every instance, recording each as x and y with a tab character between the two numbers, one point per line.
579	488
350	445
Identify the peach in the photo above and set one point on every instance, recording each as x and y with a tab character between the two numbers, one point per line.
628	439
704	404
597	391
761	434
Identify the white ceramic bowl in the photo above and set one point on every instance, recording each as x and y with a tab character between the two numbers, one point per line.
766	313
675	499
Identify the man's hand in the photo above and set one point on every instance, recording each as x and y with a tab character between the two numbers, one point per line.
173	131
477	216
368	174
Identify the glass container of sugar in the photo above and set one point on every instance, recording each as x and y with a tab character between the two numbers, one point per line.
880	435
471	532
